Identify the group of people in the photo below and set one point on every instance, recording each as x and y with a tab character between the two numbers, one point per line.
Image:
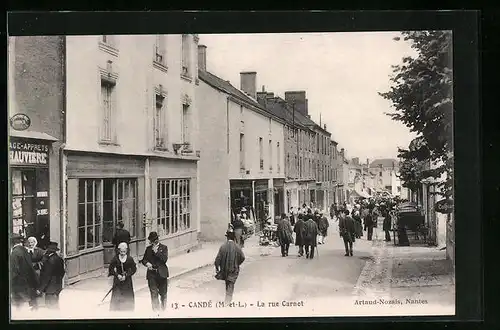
122	267
35	273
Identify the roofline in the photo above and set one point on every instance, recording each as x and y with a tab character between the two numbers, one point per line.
239	100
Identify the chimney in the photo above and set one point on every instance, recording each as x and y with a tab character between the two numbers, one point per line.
263	88
324	127
202	57
299	99
342	153
262	98
248	83
367	161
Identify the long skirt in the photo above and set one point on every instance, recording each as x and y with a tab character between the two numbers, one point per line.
122	296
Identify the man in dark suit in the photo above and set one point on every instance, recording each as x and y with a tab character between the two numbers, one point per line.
347	231
155	259
51	276
121	236
23	279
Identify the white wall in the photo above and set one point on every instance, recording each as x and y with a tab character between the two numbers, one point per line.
256	125
134	92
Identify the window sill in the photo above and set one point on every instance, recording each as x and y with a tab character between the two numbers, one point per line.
108	49
160	66
83	252
187	78
108	143
161	149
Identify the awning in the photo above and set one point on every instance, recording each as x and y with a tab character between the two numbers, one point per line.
32	135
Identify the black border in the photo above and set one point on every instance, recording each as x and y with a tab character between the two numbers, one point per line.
465	26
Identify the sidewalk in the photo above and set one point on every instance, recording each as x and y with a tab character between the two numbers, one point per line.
413	275
96	288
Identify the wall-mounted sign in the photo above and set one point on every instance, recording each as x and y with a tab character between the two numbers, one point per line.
22	153
444	206
20	122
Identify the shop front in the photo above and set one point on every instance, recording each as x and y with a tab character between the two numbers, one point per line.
279	196
241	197
30	193
101	190
174	203
261	203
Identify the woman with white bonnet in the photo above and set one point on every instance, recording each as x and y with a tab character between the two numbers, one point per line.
36	254
122	268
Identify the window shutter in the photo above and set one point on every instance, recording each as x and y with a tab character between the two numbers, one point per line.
72	217
113	114
162	46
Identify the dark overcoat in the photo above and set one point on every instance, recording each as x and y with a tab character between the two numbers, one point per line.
284	232
122	295
23	277
323	226
311	233
347	228
52	273
228	260
299	229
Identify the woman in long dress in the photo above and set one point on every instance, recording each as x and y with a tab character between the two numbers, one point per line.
122	268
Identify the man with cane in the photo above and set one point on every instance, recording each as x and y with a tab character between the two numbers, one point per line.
155	259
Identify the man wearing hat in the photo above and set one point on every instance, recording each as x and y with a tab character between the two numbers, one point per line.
227	264
23	279
51	276
155	259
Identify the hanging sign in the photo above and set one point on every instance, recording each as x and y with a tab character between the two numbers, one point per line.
22	153
20	122
444	206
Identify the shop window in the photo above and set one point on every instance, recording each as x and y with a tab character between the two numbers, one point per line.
102	203
173	206
23	202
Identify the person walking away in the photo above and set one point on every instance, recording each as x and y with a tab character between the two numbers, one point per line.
369	225
155	259
51	276
285	236
299	230
23	278
122	267
323	228
238	227
227	264
36	255
310	237
347	231
332	211
387	226
121	236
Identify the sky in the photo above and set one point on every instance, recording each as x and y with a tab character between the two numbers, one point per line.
341	73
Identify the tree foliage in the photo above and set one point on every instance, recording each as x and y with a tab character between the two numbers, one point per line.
421	94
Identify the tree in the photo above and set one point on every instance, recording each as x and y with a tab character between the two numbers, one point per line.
421	94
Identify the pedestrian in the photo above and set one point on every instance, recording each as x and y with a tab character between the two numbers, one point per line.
51	276
122	268
155	259
23	278
227	264
238	227
369	224
36	255
356	216
323	228
293	216
332	211
121	236
299	230
310	237
347	231
387	226
285	235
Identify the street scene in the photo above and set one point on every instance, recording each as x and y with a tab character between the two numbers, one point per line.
231	175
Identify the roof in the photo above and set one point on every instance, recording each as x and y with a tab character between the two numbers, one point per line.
226	87
385	162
